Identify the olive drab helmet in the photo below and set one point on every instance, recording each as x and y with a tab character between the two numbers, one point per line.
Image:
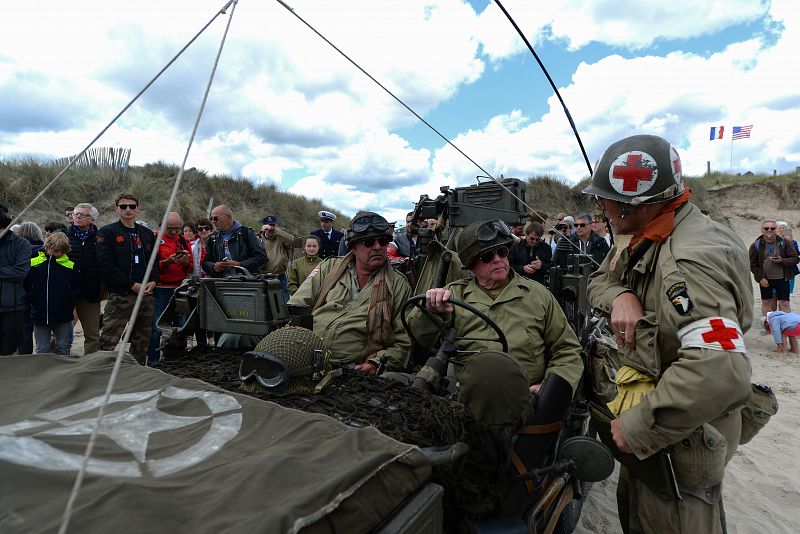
290	360
641	169
480	236
366	224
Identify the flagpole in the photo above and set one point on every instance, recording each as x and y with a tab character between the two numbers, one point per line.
731	165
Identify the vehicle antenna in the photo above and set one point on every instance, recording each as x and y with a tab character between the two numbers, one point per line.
549	79
429	125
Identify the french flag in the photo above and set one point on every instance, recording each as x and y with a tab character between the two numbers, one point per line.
716	132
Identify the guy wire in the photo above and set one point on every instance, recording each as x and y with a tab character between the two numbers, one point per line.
140	295
437	132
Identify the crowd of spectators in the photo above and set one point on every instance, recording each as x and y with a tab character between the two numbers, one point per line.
75	272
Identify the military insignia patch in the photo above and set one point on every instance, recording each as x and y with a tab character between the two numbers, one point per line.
313	273
120	239
679	297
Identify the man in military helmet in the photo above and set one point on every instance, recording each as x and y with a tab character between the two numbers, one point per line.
676	289
526	392
357	299
538	334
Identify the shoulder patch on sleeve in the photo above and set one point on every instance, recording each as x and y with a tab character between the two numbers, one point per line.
313	273
715	333
678	295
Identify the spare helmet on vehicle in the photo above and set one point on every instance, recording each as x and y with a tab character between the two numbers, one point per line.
290	360
367	224
641	169
481	236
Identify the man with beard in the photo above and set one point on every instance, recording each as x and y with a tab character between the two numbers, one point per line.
357	299
231	245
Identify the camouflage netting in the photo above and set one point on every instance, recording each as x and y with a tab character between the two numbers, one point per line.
473	487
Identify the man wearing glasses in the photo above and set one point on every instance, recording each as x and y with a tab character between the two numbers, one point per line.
357	301
584	241
83	242
123	251
231	245
538	334
771	261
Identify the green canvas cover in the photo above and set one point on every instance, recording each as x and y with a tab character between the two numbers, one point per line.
179	455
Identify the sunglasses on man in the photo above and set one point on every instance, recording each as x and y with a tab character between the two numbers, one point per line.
488	256
370	241
127	206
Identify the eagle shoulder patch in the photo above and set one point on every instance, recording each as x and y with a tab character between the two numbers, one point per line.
678	295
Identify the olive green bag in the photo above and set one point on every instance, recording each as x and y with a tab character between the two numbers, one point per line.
757	411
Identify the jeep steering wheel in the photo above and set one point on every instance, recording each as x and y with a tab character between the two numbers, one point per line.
418	302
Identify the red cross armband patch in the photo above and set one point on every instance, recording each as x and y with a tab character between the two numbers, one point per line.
715	333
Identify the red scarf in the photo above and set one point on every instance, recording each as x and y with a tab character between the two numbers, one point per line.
660	228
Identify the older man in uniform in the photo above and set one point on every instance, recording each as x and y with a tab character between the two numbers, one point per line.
677	291
357	300
328	237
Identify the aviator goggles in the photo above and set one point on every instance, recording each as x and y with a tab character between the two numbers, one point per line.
272	373
373	222
489	232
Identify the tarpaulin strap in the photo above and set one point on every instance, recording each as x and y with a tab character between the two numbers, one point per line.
521	470
540	429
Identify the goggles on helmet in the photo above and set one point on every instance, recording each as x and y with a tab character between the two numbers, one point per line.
272	373
489	232
374	222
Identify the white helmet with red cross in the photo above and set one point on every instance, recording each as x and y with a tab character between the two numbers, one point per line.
641	169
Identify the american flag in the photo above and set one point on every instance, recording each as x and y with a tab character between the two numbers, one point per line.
741	132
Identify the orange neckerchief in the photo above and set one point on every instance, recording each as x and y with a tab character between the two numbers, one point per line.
660	228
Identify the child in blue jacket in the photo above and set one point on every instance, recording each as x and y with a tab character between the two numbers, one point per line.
51	287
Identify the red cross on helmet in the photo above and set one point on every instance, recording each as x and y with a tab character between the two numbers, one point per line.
640	169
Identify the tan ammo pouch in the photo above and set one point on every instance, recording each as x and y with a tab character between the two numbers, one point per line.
603	361
699	458
757	411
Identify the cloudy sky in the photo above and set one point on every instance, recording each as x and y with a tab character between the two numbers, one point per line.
287	109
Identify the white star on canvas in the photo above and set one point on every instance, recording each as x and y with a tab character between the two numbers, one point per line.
129	428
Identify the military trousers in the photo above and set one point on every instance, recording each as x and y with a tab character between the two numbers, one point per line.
115	318
642	511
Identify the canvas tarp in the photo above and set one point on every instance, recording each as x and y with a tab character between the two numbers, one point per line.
179	455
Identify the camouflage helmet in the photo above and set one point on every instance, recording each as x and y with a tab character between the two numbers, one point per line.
480	236
288	361
366	224
641	169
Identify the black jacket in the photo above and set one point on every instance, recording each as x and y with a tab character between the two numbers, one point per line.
115	255
328	247
244	247
87	270
51	286
596	247
522	254
15	262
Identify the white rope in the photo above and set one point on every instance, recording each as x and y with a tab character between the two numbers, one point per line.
111	123
117	362
429	125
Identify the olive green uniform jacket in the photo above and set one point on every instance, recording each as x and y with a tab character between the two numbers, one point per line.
694	385
299	270
538	334
279	250
342	320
